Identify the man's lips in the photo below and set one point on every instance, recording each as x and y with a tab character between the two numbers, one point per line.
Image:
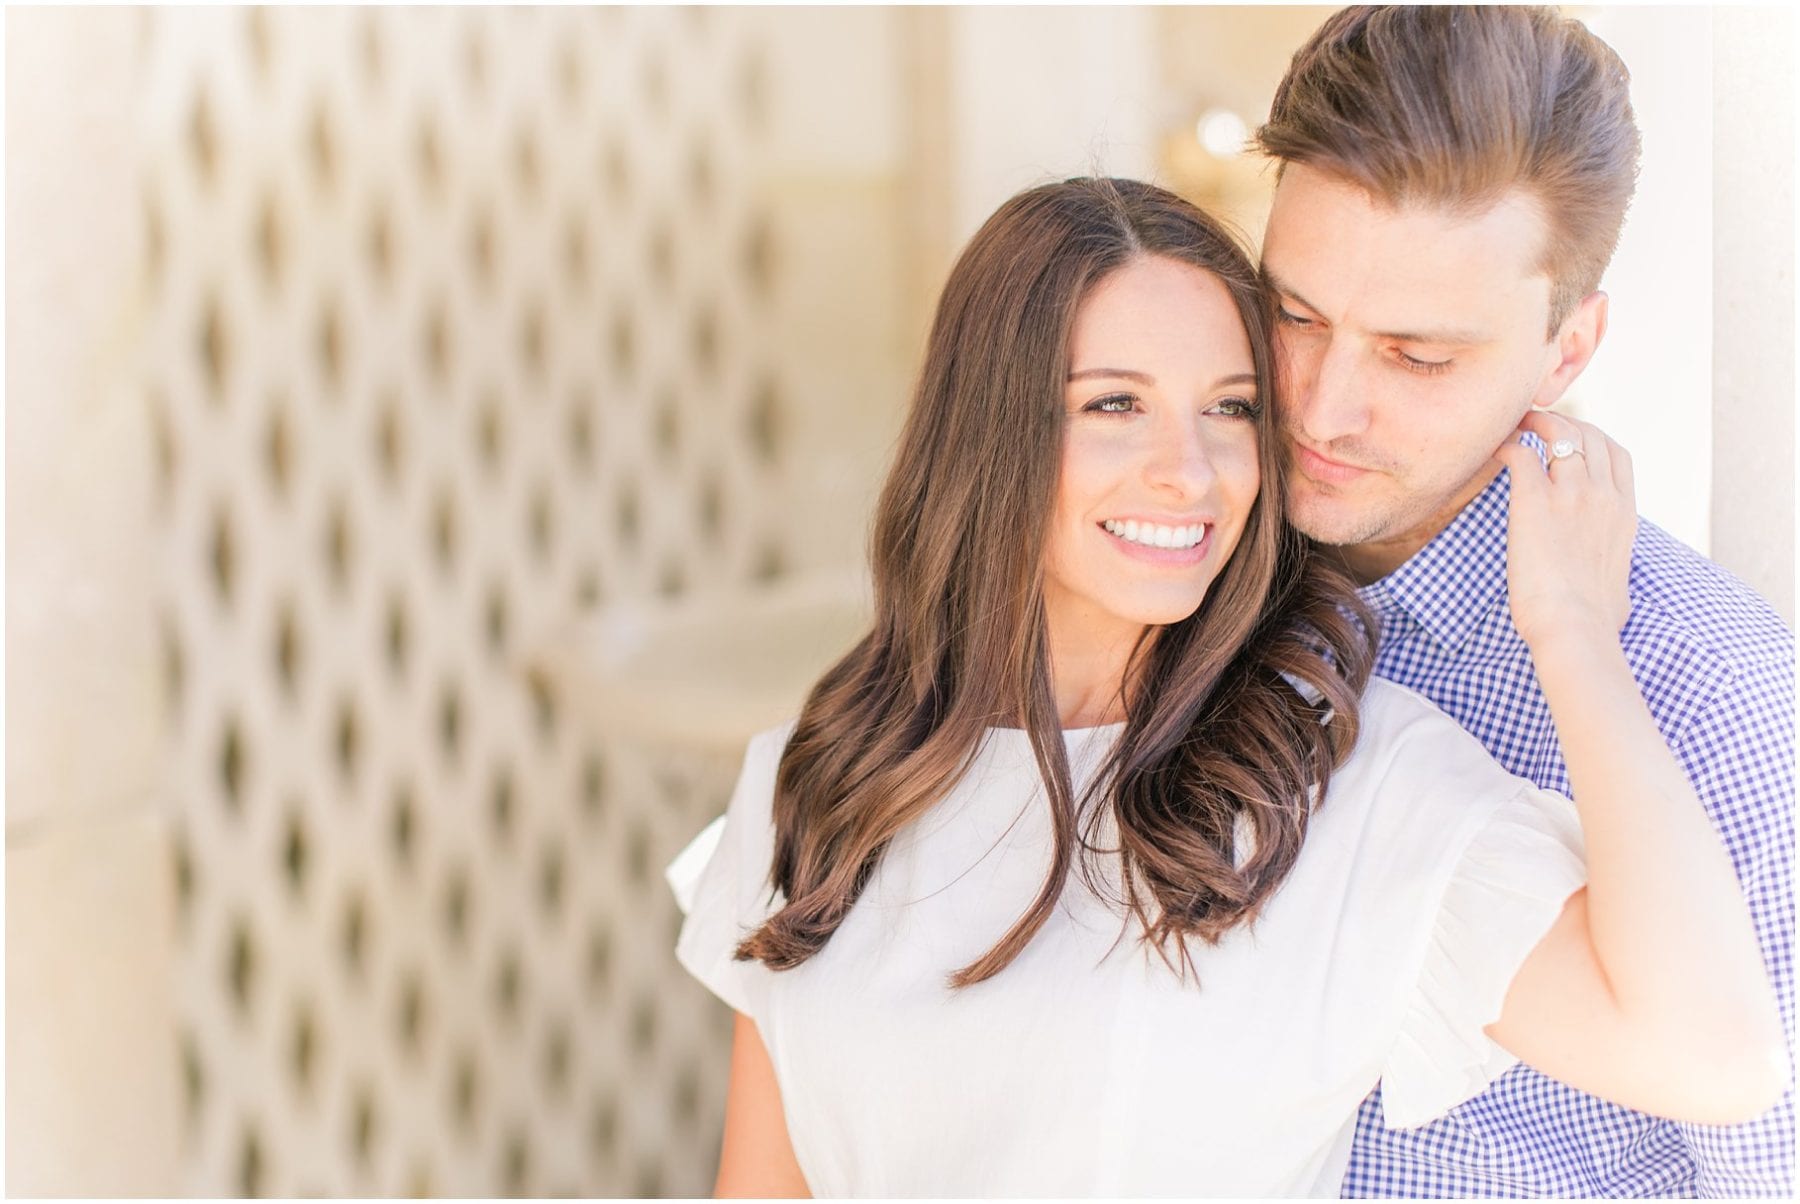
1323	468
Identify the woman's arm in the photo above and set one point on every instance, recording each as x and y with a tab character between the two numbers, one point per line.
1650	988
756	1158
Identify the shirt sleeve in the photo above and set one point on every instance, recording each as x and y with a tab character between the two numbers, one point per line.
1508	888
721	880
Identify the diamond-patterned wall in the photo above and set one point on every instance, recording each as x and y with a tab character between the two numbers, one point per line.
456	325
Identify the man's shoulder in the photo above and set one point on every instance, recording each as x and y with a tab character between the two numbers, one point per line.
1682	601
1705	648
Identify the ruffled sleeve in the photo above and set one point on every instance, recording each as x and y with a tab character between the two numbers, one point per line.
721	880
1507	890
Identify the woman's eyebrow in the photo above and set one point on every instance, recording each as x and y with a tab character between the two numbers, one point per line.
1236	378
1121	373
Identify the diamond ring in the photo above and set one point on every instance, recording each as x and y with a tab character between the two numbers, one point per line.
1562	449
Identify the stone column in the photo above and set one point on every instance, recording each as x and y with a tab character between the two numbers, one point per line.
1753	397
91	1090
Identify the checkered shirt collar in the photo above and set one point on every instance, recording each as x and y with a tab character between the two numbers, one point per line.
1451	582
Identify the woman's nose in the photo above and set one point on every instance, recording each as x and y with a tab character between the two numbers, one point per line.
1180	460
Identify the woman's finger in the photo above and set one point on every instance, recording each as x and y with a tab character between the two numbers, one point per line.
1582	440
1557	432
1597	448
1550	426
1624	480
1530	485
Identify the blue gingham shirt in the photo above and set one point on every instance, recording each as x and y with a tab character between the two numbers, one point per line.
1716	666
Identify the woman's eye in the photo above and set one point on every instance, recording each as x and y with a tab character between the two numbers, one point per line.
1114	403
1237	407
1283	316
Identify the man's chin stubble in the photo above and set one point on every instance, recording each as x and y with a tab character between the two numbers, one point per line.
1340	530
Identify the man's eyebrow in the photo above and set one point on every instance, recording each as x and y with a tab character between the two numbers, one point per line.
1275	284
1447	335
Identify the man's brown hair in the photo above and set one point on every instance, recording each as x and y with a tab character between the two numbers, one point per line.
1457	106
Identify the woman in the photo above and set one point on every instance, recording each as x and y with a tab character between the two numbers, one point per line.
1033	899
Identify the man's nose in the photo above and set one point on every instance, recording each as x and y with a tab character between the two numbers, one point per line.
1326	392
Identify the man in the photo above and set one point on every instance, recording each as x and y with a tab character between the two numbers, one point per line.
1453	182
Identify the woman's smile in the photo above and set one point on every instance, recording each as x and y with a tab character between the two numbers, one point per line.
1157	544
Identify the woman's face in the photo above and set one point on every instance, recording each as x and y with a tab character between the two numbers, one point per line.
1160	462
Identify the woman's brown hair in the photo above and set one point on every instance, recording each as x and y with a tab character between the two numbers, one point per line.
1214	778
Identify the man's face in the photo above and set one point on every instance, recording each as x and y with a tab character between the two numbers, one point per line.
1412	341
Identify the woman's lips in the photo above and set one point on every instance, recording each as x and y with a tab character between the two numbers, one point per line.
1165	556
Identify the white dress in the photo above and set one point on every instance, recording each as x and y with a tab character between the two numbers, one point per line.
1085	1068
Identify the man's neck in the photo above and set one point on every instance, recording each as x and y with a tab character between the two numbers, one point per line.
1368	562
1371	561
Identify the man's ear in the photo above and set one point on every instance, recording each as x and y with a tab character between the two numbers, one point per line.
1575	345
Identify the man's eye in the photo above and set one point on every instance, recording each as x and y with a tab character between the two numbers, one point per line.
1423	367
1291	319
1113	403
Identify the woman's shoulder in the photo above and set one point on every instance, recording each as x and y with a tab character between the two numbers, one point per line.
1395	716
1407	747
752	799
771	742
1418	792
1400	704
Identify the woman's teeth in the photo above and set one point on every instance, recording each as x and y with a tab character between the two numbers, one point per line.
1152	535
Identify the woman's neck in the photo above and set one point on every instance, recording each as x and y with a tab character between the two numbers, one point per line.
1087	665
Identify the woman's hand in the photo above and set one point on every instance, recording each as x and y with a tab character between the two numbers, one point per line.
1569	532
